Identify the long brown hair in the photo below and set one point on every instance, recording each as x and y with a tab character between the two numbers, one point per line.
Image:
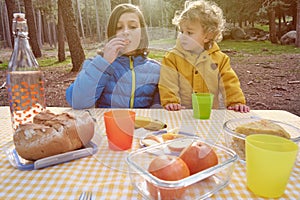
113	21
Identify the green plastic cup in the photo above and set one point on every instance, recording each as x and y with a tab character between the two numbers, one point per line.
202	105
269	162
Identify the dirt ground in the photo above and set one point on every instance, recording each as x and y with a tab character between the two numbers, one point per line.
269	82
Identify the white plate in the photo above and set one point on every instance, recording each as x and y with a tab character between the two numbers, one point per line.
159	135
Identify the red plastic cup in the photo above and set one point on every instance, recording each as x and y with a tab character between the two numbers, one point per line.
119	126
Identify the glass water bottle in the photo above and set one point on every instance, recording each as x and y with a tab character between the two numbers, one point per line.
25	81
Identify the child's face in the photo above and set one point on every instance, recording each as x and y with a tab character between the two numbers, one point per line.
129	28
192	37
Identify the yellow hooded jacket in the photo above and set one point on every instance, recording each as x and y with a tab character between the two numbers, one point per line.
183	73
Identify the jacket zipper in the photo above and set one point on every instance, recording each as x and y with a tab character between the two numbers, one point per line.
133	82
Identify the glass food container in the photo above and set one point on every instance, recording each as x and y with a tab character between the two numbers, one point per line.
197	186
236	141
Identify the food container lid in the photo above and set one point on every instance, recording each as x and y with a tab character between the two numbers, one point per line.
22	164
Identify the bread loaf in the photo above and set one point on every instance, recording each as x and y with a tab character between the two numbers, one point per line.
52	134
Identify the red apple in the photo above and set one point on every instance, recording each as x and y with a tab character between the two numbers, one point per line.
169	168
199	156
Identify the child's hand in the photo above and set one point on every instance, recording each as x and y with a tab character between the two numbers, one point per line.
112	49
174	107
239	108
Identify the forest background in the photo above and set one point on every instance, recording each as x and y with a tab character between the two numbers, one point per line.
69	30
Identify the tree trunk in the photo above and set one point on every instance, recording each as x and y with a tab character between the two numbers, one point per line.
240	23
54	32
76	50
61	39
107	12
45	29
32	29
49	34
80	19
87	22
136	2
6	32
10	5
279	30
298	24
272	26
97	20
39	27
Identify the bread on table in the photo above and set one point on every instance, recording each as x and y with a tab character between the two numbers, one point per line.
52	134
257	127
262	127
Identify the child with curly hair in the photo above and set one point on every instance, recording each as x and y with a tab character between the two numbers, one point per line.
197	65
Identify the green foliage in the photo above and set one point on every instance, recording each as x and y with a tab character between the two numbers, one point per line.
160	47
156	55
239	11
160	12
162	42
241	48
52	62
262	27
43	62
3	66
257	47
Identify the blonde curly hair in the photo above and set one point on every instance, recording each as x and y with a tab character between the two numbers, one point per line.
207	13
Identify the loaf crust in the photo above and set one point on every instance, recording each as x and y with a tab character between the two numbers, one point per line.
52	134
262	127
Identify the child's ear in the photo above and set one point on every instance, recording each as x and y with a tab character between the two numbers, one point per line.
209	37
206	40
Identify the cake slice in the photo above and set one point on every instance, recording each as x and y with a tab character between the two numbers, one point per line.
262	127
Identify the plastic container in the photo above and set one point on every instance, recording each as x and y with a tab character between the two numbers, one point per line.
198	186
236	141
22	164
270	160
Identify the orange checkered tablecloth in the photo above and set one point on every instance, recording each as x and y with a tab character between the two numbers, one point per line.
106	173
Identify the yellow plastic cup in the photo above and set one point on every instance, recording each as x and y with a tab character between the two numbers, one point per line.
269	162
202	105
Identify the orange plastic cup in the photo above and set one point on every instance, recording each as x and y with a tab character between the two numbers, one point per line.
119	126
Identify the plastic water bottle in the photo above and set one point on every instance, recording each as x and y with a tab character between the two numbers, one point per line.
25	81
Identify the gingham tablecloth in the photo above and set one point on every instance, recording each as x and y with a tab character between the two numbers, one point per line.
106	173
